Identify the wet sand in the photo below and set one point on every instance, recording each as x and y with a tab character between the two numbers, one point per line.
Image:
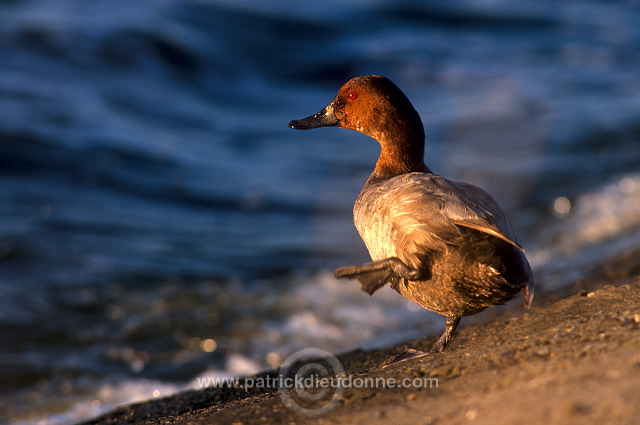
574	357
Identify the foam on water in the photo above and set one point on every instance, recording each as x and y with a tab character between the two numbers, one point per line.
337	315
609	212
70	408
594	226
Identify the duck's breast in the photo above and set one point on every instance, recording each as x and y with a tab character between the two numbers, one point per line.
371	215
401	217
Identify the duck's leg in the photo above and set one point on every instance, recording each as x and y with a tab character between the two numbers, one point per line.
438	347
449	328
373	276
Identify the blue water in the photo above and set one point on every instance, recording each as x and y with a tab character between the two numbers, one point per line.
152	197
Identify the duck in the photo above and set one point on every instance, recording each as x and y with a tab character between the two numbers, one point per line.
447	246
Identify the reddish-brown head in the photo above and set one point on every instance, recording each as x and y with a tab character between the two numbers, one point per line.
374	106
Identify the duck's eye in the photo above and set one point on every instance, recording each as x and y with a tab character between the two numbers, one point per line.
353	95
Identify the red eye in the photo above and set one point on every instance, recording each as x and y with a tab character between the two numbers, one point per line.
353	95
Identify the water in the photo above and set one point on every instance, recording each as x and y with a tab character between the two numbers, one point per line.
161	223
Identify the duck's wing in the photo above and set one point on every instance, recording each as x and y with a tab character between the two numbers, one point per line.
428	210
470	206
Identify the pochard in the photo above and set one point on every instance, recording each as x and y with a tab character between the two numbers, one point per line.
447	246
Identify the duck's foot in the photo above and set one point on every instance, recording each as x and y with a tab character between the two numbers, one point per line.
373	276
439	346
449	328
407	354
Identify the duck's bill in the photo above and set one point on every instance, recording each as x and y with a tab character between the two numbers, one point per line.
324	118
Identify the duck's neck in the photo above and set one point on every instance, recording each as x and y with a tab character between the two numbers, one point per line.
401	156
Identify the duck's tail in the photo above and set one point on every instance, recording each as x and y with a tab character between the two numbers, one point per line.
528	293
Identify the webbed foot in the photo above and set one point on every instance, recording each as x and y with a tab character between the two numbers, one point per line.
373	276
407	354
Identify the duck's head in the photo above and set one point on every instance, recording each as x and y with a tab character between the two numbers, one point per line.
374	106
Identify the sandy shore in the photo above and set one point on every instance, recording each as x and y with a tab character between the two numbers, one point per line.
573	358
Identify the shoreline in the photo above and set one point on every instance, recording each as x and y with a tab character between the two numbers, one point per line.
574	357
